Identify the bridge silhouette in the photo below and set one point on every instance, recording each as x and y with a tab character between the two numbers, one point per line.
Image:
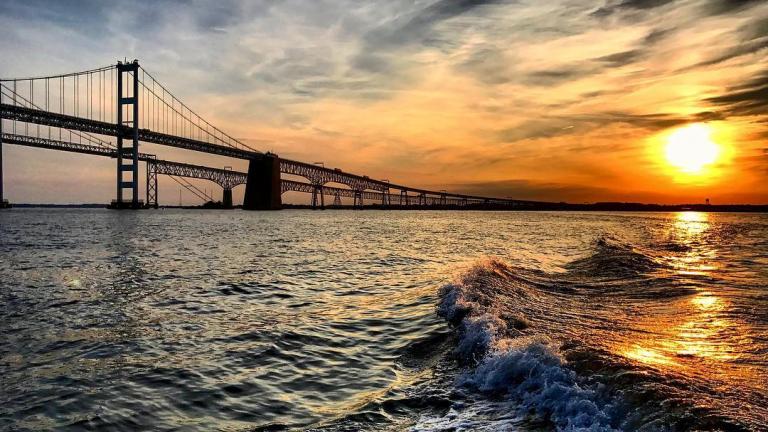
108	111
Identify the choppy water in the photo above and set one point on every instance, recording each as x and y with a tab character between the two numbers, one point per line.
369	320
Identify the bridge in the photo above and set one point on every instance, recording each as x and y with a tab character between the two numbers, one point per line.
110	110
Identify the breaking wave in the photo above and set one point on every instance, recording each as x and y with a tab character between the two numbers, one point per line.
535	349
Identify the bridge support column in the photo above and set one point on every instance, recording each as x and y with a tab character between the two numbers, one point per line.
226	200
152	184
128	130
262	189
318	190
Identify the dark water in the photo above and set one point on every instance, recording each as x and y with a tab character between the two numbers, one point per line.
184	320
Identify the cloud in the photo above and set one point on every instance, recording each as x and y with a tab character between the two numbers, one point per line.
549	128
417	27
552	127
612	7
721	7
562	74
489	65
747	99
752	38
622	58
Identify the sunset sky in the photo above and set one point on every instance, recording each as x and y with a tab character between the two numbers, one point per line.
571	100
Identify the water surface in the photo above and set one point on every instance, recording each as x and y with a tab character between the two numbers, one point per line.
350	320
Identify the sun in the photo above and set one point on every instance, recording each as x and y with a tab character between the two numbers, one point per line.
691	148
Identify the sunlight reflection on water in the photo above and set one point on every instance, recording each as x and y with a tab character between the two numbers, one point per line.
695	335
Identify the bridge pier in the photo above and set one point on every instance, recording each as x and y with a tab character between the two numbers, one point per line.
152	191
262	189
318	189
226	200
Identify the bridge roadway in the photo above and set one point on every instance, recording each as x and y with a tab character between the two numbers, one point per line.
317	175
227	179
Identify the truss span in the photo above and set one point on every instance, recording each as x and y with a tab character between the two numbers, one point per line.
93	102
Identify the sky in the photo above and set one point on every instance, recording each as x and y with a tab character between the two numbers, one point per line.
569	100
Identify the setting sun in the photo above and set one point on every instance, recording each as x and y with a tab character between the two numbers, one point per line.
691	148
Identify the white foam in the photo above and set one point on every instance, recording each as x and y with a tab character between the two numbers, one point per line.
528	373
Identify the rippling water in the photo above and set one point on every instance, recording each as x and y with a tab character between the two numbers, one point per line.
345	320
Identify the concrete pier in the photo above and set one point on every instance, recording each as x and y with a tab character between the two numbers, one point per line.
226	200
262	190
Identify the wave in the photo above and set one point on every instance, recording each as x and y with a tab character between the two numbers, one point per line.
528	344
507	363
614	259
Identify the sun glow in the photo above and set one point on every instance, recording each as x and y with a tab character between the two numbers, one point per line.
691	148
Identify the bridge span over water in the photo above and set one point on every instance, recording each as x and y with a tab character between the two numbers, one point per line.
110	110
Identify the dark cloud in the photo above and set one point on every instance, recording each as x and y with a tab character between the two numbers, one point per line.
747	99
622	58
88	16
752	38
385	56
536	130
641	52
489	65
599	64
720	7
321	87
92	16
558	76
654	121
737	51
216	16
656	35
613	7
418	27
578	124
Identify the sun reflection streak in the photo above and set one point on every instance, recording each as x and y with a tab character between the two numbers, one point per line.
699	329
703	334
686	232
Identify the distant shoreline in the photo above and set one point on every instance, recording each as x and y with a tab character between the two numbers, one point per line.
529	206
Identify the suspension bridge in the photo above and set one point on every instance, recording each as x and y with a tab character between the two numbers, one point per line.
108	111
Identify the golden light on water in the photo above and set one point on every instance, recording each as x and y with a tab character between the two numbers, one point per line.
698	335
691	148
648	355
687	229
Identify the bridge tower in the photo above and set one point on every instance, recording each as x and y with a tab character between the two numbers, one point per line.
128	134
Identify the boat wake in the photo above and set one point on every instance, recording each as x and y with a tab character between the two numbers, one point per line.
538	350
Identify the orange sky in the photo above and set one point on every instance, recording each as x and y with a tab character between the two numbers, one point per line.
567	101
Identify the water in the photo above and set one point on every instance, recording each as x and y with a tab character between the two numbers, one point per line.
345	320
